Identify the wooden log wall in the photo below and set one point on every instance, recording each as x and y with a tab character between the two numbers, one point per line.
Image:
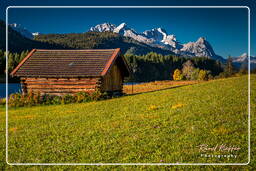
60	86
113	80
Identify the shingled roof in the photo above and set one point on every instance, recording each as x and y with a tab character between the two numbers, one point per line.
67	63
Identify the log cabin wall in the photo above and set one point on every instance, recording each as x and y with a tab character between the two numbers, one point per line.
60	86
113	80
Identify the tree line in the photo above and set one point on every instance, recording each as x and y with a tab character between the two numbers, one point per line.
153	66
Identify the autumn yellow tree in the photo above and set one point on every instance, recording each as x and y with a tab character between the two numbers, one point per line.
202	75
177	75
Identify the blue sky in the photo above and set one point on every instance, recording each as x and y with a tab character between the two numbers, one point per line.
225	29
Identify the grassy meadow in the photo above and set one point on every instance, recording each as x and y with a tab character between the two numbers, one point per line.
164	126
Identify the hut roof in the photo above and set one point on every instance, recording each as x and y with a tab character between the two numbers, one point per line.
68	63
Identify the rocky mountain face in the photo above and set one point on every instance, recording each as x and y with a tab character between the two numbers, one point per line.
23	31
243	60
158	37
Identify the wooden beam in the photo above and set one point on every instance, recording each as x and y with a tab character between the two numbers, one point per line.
110	61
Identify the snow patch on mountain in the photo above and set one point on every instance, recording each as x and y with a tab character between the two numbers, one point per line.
241	58
157	34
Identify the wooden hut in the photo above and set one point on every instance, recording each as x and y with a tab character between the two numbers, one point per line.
59	72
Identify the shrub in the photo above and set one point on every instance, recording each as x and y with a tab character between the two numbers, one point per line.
82	97
46	99
177	75
29	99
210	77
105	95
96	95
2	101
37	97
15	100
223	75
34	98
56	100
66	99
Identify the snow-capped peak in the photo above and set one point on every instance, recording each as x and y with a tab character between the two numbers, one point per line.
122	25
121	28
201	40
244	55
103	27
241	58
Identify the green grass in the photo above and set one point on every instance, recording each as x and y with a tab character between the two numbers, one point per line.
163	126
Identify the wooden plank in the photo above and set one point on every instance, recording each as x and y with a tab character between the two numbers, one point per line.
60	86
61	83
61	90
57	79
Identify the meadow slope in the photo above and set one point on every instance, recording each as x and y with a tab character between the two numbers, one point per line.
159	127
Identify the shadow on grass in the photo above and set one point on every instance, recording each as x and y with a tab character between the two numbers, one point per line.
150	91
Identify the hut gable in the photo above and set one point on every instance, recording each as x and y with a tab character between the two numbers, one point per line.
69	71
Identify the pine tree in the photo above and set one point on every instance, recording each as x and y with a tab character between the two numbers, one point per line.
11	62
2	62
229	69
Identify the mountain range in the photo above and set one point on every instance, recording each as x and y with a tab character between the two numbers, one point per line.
158	37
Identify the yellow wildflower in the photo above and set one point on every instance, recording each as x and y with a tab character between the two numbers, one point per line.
177	106
13	129
152	107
